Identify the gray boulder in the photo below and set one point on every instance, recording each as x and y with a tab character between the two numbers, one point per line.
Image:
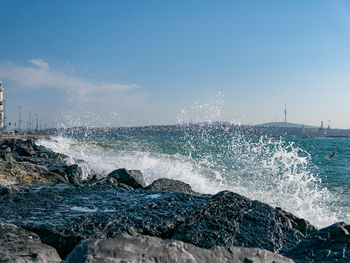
132	178
330	244
169	185
139	248
20	245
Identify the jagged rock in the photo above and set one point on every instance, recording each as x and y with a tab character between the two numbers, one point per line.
20	245
139	248
111	181
13	189
229	219
132	178
126	187
68	214
25	172
74	174
169	185
108	180
22	161
298	223
330	244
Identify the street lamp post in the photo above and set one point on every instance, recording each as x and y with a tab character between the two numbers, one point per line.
30	120
37	124
19	119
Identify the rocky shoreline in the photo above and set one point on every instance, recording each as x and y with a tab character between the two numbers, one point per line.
50	213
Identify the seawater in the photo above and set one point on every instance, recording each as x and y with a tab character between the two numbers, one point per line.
291	173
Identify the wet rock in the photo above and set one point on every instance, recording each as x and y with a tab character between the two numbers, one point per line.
74	174
298	223
229	219
64	214
20	245
111	181
132	178
13	189
126	187
169	185
330	244
139	248
62	242
108	180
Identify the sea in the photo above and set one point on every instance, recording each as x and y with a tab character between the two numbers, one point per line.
291	173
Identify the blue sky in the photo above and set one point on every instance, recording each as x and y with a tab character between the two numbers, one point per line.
117	63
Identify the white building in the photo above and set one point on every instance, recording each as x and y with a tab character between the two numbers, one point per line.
2	113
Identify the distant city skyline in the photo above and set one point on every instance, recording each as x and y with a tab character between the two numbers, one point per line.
133	63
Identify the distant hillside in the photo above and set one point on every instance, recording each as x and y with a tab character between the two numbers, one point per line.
284	125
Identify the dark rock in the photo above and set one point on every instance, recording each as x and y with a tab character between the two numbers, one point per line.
12	189
330	244
24	151
74	174
298	223
67	214
126	187
229	219
20	245
126	248
20	147
132	178
4	190
169	185
59	240
110	180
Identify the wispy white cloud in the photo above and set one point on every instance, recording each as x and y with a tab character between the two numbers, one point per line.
86	102
39	75
40	63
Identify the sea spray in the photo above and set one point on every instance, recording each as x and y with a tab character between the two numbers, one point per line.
265	169
211	156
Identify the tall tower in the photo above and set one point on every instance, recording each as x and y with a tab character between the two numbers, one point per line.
285	113
2	113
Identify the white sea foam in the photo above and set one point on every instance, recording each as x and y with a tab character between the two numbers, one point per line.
83	209
268	170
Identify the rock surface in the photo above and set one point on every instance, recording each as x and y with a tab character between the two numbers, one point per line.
330	244
64	214
169	185
139	248
132	178
41	193
20	245
22	161
229	219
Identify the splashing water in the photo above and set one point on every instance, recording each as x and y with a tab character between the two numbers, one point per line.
268	170
211	157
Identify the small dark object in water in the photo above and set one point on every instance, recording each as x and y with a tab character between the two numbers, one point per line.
329	157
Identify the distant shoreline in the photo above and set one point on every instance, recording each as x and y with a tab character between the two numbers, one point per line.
19	136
